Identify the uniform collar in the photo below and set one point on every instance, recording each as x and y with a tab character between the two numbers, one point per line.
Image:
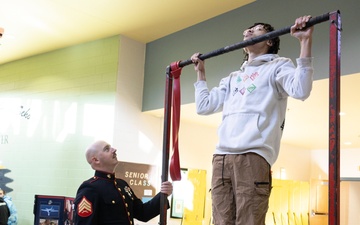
104	175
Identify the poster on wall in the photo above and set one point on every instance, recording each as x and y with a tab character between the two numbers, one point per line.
189	197
53	210
142	178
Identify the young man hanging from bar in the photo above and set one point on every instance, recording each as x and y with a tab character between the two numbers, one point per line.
253	103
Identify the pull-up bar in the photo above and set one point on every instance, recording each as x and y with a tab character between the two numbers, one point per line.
251	41
172	100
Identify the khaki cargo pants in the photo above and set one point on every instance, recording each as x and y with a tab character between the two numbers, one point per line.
240	189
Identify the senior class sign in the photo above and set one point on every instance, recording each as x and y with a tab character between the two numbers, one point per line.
142	178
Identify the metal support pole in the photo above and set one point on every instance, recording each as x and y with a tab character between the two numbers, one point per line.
166	144
334	120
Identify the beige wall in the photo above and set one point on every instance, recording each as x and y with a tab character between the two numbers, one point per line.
349	163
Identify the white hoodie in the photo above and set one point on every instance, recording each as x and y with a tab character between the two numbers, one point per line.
253	101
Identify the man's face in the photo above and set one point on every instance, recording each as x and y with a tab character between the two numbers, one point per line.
1	193
106	154
254	31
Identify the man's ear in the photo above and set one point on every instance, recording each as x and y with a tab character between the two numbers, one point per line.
94	159
269	42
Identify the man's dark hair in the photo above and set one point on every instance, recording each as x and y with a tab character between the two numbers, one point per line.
275	47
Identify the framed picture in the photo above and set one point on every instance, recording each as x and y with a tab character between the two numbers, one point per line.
179	196
48	222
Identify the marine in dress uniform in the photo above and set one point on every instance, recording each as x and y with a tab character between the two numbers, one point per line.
104	199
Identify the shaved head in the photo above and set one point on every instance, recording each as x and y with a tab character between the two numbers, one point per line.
101	156
93	149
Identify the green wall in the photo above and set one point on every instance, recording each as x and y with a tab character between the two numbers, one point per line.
51	107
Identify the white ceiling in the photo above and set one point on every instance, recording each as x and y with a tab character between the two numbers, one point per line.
38	26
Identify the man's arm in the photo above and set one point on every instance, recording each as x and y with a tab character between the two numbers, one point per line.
304	36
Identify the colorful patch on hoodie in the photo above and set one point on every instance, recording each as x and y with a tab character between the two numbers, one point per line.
245	83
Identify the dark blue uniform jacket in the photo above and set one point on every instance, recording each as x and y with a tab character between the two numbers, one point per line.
104	199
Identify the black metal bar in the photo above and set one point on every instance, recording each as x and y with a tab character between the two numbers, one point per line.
334	119
267	36
166	144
